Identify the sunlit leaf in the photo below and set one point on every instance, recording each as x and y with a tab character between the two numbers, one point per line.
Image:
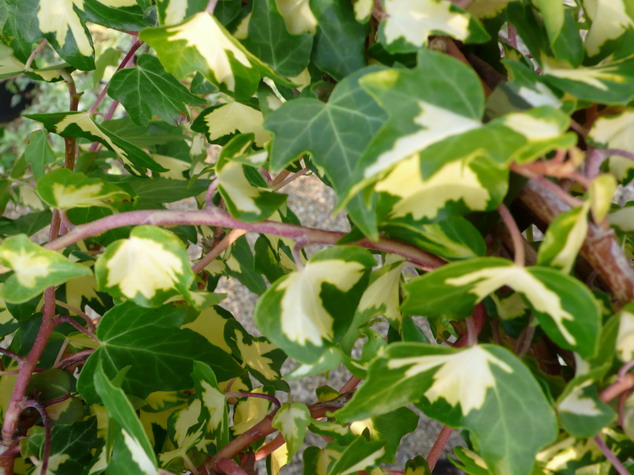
616	132
470	388
34	268
171	12
291	420
581	411
625	338
564	238
227	119
564	307
609	20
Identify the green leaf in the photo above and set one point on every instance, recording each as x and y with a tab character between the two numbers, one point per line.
359	455
38	152
64	189
269	40
564	307
62	23
484	389
136	448
441	97
34	268
292	420
615	131
451	238
409	24
307	311
580	410
171	12
148	267
217	122
487	8
339	48
80	124
124	15
10	66
623	219
202	44
564	238
346	124
391	427
158	352
610	19
625	337
563	34
148	89
606	83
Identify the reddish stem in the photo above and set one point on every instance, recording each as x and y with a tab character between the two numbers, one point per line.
621	385
73	359
616	463
229	467
516	235
67	319
439	446
12	355
79	313
268	397
47	432
269	448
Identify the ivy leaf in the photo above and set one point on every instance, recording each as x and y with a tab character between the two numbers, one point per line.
269	40
340	40
610	19
615	131
580	410
307	311
38	152
625	337
148	267
155	351
351	114
470	388
35	269
124	15
148	89
202	44
64	189
409	24
359	455
487	8
62	23
564	239
171	12
80	124
217	122
564	307
441	97
608	83
10	66
133	449
292	420
602	189
563	34
623	219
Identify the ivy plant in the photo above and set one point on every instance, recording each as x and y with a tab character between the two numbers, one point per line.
481	150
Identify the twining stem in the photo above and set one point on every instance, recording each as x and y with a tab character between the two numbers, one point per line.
268	397
216	217
516	235
616	463
229	467
33	54
623	384
438	447
76	311
218	249
77	326
126	59
47	432
76	358
14	356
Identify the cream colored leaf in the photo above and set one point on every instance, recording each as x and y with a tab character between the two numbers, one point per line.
363	10
59	17
236	117
602	190
610	20
625	338
304	317
384	291
234	182
252	355
462	378
616	132
298	16
144	464
576	403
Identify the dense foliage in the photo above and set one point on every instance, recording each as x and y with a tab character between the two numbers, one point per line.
477	147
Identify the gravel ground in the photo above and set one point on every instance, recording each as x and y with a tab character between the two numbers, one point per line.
313	203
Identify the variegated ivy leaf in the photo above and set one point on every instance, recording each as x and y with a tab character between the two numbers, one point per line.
469	388
601	191
610	19
564	239
64	189
428	187
609	83
298	16
243	187
34	268
147	89
202	44
269	40
563	34
62	23
217	122
185	431
131	447
409	24
125	15
148	267
171	12
307	311
363	10
565	308
361	454
452	238
10	66
625	338
623	219
292	420
351	113
617	132
580	410
81	125
249	411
